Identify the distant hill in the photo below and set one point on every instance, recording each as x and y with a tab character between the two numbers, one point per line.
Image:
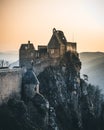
93	66
10	56
14	64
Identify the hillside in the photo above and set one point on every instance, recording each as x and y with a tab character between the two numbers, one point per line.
93	66
10	56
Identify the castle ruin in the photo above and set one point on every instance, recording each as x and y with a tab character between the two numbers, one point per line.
35	61
56	47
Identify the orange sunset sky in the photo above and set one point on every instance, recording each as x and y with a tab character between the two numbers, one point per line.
80	20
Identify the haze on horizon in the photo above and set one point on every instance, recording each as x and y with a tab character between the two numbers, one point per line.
81	21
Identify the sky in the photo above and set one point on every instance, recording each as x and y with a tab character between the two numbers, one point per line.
82	21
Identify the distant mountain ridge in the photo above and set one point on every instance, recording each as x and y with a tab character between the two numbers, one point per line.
10	56
93	66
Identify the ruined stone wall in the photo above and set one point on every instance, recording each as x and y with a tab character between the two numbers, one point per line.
39	67
62	50
10	84
26	57
54	53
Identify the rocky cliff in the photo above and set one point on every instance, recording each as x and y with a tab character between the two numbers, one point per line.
66	102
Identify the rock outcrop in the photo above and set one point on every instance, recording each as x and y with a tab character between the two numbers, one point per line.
73	103
66	101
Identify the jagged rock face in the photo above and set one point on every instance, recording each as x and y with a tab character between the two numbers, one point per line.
71	104
58	85
64	111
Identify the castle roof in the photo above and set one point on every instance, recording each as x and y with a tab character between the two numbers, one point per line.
30	78
42	49
57	39
60	36
27	46
71	43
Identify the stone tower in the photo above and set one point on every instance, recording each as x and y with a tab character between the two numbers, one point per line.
26	55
